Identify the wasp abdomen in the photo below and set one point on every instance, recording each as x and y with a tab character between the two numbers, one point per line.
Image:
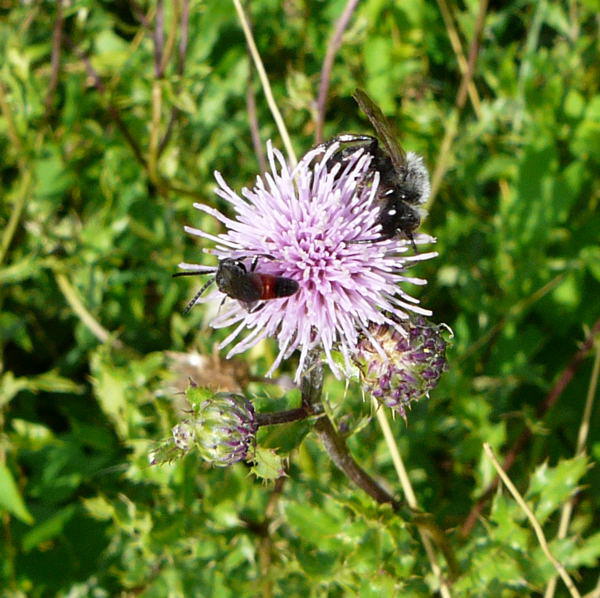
284	287
275	287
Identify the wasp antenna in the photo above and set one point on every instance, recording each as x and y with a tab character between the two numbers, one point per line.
187	274
197	295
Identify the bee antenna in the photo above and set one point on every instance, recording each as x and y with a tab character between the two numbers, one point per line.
198	294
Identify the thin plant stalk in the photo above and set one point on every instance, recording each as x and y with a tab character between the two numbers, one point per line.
514	311
153	146
171	38
531	44
254	127
443	160
535	524
26	182
460	56
551	398
55	59
82	312
332	47
265	83
411	498
15	214
584	428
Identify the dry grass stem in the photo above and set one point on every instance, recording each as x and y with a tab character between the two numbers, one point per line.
77	305
411	498
460	56
584	428
265	83
443	161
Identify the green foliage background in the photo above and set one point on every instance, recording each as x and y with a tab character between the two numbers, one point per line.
92	216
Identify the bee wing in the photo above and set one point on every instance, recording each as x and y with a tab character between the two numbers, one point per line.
382	127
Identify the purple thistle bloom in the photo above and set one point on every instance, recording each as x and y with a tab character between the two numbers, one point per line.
309	220
405	373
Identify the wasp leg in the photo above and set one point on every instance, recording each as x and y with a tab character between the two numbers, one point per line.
253	308
255	260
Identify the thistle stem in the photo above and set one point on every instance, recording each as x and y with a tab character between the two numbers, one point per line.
311	386
338	451
281	417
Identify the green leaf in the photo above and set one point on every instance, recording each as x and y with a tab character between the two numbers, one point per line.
316	563
551	487
10	387
50	528
196	395
110	386
314	523
267	464
10	498
284	437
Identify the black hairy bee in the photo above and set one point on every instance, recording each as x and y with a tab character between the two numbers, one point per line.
403	177
248	287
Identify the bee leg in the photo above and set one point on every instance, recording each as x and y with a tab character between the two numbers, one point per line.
348	138
412	242
409	236
384	237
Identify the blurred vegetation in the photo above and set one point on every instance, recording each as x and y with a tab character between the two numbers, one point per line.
108	133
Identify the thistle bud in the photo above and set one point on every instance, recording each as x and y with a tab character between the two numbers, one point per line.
224	428
221	426
411	367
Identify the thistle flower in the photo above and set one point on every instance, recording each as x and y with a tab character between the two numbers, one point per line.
410	367
222	427
308	221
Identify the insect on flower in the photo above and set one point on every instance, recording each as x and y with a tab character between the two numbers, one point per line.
248	287
403	178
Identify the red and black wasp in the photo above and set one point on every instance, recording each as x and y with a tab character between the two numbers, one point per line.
248	287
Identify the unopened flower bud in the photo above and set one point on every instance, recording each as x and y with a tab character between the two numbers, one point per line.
221	426
224	427
411	366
